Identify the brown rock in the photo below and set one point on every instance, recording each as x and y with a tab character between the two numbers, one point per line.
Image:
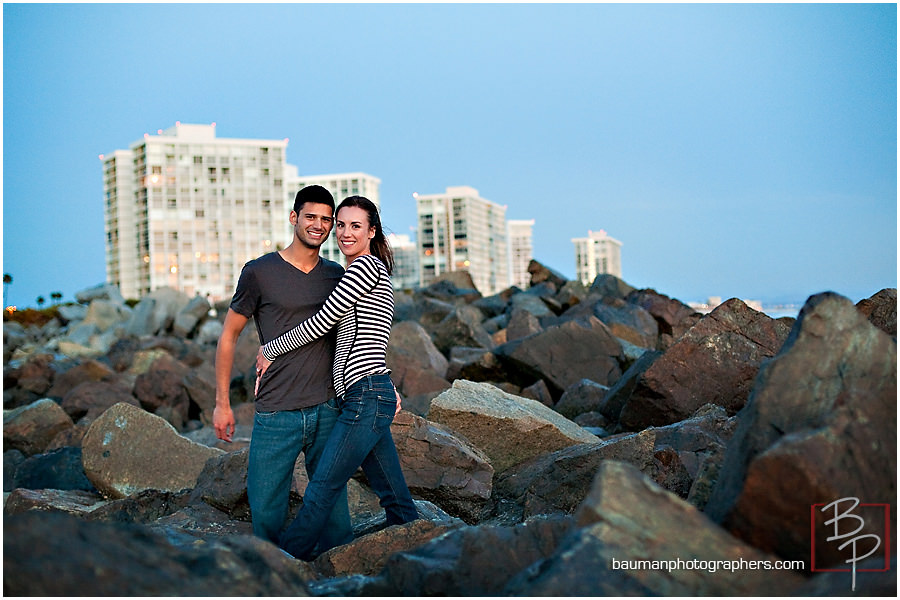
162	386
117	446
442	468
820	425
715	362
31	428
88	370
881	310
91	399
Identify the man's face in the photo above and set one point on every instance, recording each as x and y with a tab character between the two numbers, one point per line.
312	224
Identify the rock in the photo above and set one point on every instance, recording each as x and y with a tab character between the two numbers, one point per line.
570	294
11	461
530	303
88	370
522	323
57	469
105	314
145	507
881	310
460	283
69	438
167	303
609	286
474	364
540	273
822	416
102	291
122	559
31	428
410	341
200	385
538	391
36	373
628	520
564	354
116	447
442	468
581	397
715	362
368	554
496	422
209	332
75	502
617	395
462	327
673	316
71	312
162	386
223	484
190	316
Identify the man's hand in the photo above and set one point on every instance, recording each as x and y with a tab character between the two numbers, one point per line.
223	422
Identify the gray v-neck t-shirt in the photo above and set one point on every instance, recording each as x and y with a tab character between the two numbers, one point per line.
279	296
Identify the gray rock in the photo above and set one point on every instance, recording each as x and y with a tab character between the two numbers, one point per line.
102	291
581	397
116	447
462	327
496	423
190	316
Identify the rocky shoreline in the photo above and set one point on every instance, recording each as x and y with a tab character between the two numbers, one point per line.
561	440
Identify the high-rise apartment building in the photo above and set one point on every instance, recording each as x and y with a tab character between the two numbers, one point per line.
459	230
520	252
186	209
340	185
406	262
597	254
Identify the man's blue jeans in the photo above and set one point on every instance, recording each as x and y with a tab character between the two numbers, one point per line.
361	437
277	440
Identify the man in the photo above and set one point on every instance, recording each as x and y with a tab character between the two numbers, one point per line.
295	406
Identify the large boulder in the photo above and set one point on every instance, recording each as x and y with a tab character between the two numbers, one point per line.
127	450
819	426
58	469
636	539
31	428
673	316
123	559
462	327
409	342
496	423
161	389
564	354
442	468
715	362
90	399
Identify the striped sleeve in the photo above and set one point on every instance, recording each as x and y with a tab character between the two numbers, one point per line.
360	277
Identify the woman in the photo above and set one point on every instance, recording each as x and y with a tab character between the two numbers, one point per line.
362	305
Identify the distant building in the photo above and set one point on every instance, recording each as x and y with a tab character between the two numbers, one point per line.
186	209
597	254
340	185
520	252
406	262
458	230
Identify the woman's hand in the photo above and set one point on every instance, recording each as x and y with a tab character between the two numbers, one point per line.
262	365
399	407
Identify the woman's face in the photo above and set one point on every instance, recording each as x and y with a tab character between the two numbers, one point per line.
353	231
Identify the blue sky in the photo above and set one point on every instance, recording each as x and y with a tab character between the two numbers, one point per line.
735	150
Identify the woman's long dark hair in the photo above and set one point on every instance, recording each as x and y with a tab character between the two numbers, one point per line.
378	245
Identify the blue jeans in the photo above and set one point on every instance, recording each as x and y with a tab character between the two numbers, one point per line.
277	440
361	437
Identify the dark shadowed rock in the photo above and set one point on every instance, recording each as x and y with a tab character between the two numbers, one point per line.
609	286
563	355
76	502
621	390
581	397
368	554
442	468
146	507
522	323
11	460
474	364
88	370
122	559
31	428
223	484
58	469
540	273
35	375
469	561
496	423
715	362
881	310
673	316
819	426
200	385
628	518
538	391
117	446
462	327
162	386
90	399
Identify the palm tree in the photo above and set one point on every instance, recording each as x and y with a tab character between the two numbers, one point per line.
57	296
7	279
40	300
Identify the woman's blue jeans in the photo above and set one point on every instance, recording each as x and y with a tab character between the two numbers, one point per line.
361	437
277	440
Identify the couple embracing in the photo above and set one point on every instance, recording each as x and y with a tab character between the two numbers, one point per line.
329	396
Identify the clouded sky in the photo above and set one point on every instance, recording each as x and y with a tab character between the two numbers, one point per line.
735	150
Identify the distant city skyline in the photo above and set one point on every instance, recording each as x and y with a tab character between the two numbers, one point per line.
735	150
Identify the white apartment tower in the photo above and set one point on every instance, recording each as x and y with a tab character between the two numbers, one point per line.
520	252
340	185
186	209
406	261
597	254
458	230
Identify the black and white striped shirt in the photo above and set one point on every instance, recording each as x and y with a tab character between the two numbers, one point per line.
362	305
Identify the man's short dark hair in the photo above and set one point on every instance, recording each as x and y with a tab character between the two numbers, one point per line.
315	194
